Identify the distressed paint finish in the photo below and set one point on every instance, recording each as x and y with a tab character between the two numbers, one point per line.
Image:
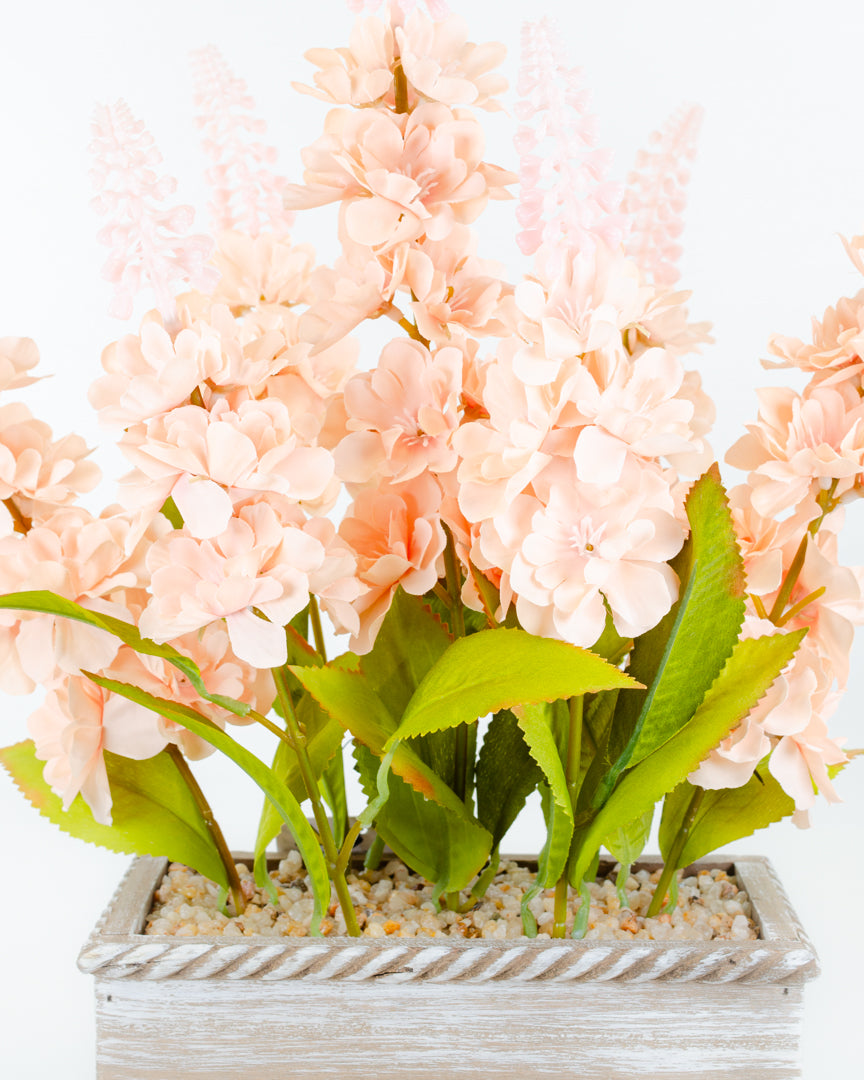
478	1010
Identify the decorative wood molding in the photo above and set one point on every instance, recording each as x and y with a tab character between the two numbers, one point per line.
783	954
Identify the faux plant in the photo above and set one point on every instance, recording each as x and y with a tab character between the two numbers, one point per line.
511	511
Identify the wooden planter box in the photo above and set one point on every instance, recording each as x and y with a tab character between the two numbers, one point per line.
304	1008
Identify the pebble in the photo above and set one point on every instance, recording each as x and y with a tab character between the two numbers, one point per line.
393	902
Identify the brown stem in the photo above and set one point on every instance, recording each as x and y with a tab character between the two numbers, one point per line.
22	524
412	331
400	87
212	826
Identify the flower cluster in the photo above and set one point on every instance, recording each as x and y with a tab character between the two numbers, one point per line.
805	461
518	455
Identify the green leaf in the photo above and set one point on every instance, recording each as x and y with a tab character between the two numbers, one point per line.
724	816
447	846
324	738
499	669
154	813
49	603
348	698
627	842
745	678
278	793
506	775
680	658
410	641
536	724
332	783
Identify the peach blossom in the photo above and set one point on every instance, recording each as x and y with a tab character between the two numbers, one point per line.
836	346
17	356
453	290
221	671
359	74
148	373
402	414
75	724
396	535
261	270
586	542
442	65
200	457
256	563
399	176
500	455
800	444
583	305
92	561
37	468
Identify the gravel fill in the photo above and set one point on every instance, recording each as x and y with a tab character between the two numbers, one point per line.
393	902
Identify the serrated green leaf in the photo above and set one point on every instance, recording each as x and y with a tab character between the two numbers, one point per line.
745	678
48	603
283	800
724	816
408	644
506	775
499	669
680	658
348	698
445	845
153	812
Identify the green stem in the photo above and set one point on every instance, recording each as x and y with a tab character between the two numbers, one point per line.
791	579
373	855
400	87
454	582
559	924
212	827
799	607
572	770
489	597
22	524
621	885
317	629
274	729
670	867
308	776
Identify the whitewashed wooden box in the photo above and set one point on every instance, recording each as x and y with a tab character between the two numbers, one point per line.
172	1009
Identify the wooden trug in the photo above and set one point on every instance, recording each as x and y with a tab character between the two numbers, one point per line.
302	1008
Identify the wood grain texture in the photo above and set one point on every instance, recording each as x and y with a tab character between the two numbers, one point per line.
301	1031
175	1008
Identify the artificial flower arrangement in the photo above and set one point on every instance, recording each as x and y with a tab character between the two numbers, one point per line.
531	527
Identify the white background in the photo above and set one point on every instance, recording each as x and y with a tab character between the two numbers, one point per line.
780	172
